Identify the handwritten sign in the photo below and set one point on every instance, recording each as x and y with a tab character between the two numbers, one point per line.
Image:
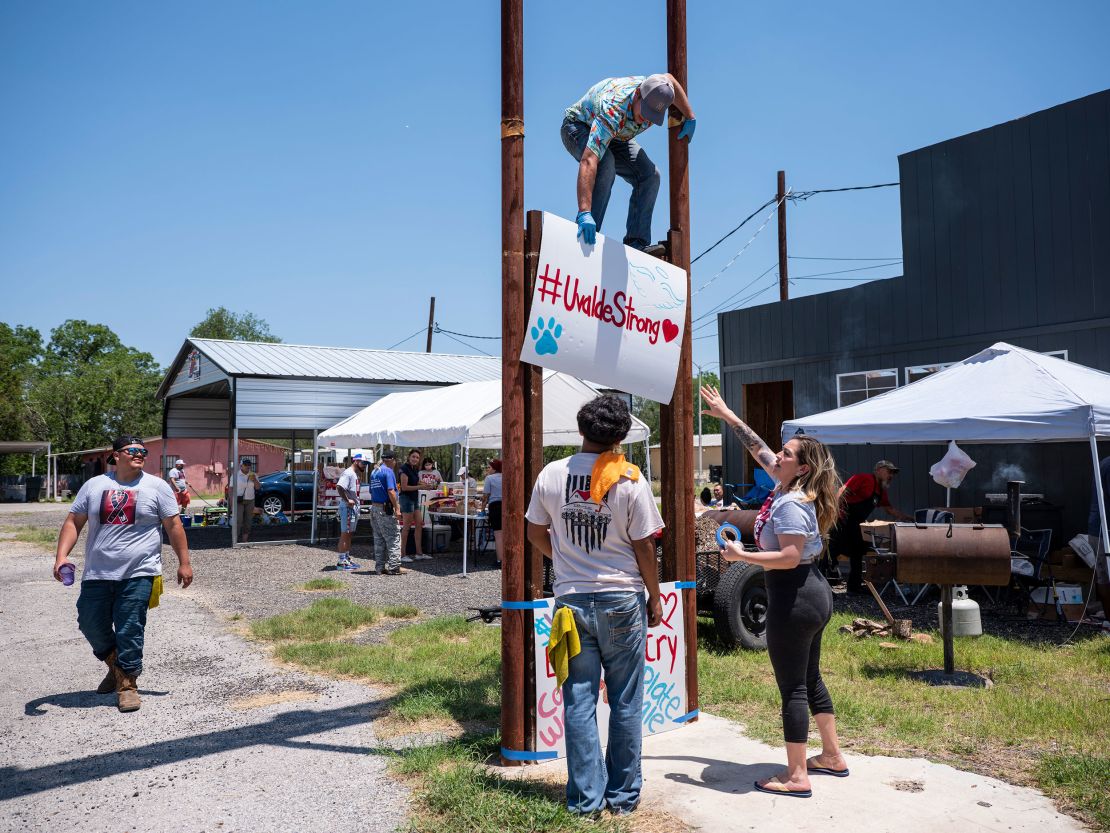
664	678
607	313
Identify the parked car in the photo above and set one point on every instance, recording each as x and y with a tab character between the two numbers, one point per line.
274	496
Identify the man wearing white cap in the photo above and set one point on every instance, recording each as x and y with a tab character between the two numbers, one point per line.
599	131
180	487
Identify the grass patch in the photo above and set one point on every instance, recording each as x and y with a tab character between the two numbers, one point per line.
324	584
1043	722
400	611
36	535
323	619
1080	781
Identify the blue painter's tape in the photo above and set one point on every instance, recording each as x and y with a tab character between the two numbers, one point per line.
722	541
686	585
524	755
522	605
687	716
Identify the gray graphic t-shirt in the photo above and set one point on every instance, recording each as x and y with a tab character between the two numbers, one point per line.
124	527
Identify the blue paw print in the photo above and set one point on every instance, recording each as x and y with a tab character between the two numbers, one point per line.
546	337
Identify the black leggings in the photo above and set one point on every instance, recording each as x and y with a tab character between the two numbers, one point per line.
799	605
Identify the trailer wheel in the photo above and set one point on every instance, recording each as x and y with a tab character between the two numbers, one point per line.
740	607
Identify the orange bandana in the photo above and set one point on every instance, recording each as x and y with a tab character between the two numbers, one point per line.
609	468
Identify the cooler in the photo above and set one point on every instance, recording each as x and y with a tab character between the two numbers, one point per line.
437	537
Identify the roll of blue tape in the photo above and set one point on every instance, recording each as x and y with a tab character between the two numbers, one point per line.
722	541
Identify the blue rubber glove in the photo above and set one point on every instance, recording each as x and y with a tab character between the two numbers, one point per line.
587	228
687	130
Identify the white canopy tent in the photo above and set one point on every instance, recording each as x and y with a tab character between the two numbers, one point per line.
1003	394
467	414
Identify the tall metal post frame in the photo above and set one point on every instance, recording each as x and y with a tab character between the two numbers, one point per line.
513	392
676	420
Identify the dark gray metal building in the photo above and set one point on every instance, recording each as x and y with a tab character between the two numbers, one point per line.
1006	237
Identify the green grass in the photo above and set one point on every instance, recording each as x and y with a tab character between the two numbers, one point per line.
324	584
323	619
36	535
1048	703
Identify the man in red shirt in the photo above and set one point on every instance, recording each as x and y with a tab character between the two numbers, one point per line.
858	499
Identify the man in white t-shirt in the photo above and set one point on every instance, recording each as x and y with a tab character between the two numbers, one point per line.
125	512
180	487
603	550
347	509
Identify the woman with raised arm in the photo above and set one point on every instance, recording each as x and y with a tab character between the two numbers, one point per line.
789	532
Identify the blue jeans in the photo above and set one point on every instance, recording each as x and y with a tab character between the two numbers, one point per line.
612	628
630	162
112	615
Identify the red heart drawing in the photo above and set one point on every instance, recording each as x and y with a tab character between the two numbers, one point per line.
670	330
664	600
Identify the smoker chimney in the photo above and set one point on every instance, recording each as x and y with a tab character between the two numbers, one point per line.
1013	506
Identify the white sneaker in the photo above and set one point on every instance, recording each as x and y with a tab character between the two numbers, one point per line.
423	557
405	559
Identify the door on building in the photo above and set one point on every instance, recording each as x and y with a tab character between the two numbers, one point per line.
767	405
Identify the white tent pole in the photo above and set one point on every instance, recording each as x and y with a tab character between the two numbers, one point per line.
466	501
1105	537
315	480
233	492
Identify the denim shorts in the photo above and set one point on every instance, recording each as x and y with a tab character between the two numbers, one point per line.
348	517
410	502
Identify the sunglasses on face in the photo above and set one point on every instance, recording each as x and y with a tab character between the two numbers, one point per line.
134	451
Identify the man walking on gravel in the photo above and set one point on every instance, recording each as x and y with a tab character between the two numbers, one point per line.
126	512
385	509
347	508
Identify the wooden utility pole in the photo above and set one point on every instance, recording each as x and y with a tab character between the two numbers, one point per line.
676	420
784	278
513	380
431	321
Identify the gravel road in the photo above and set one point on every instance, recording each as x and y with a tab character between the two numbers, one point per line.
225	741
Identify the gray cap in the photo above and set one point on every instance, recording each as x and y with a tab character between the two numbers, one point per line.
656	95
389	454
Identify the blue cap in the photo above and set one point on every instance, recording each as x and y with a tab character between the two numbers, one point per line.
363	457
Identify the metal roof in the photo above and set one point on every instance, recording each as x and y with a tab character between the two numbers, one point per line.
256	358
19	447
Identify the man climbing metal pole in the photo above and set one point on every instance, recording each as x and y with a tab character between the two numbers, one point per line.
599	131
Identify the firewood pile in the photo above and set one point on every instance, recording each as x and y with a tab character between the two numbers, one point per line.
705	534
864	628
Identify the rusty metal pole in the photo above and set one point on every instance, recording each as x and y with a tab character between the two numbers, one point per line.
512	375
431	321
784	278
677	419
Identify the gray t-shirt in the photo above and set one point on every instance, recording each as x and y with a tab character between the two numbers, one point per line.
792	514
125	520
492	487
591	544
349	480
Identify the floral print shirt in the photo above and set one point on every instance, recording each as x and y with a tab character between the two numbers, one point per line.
607	109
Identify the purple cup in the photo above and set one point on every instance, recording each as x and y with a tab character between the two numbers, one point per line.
66	572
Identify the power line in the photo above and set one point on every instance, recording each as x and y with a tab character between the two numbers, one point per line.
407	338
463	343
743	223
797	196
744	248
845	271
739	304
737	292
853	259
439	329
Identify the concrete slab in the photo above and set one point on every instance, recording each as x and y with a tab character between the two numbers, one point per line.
703	775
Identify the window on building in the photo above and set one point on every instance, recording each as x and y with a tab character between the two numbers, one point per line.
167	463
254	462
856	387
920	371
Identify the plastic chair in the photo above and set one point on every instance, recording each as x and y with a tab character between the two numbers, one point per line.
757	492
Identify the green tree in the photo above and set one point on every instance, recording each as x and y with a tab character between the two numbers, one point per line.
20	349
224	324
89	387
648	409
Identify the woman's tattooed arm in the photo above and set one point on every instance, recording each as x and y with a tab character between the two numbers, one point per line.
756	447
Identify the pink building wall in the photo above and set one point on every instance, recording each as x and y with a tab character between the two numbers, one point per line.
206	460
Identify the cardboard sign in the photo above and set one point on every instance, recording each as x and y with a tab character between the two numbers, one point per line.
607	313
664	706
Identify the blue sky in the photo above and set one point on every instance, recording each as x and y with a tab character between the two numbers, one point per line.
329	166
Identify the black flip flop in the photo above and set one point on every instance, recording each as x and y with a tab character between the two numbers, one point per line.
824	770
788	793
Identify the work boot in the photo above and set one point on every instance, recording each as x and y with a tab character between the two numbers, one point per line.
127	691
108	684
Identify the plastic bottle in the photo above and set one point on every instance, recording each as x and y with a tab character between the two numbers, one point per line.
66	571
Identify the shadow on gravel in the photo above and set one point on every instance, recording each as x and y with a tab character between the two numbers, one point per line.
78	700
280	730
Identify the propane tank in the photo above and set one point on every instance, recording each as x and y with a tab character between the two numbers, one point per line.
965	614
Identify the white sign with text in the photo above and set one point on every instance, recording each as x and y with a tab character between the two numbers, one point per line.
607	313
664	678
